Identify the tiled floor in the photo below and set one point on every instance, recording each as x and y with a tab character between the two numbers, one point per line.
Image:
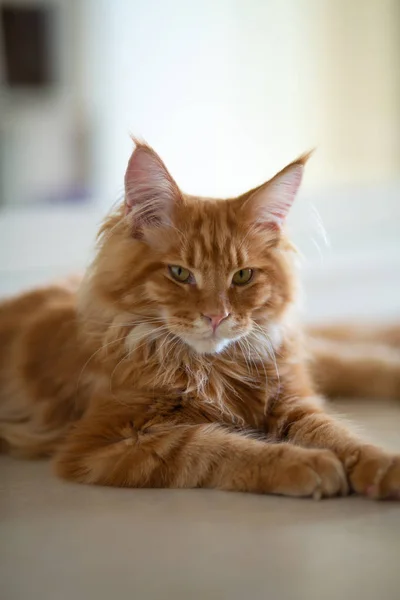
60	541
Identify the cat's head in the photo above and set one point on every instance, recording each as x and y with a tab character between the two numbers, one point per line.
206	271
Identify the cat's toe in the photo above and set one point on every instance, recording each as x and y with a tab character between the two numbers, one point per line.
376	474
331	475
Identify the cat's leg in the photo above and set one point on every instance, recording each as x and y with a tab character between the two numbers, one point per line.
302	420
113	451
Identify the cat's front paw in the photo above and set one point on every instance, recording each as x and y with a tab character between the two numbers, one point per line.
315	473
374	473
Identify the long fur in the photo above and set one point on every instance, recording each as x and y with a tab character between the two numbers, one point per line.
124	384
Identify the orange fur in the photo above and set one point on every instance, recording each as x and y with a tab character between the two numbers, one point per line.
126	384
356	367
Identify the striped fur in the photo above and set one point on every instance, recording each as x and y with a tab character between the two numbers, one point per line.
125	384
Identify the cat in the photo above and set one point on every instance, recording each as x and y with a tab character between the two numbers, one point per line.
179	362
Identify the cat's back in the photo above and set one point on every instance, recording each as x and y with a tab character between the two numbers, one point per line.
40	360
21	315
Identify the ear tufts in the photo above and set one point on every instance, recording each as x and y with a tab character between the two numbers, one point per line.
303	158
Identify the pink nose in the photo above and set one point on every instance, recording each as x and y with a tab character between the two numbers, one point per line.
216	320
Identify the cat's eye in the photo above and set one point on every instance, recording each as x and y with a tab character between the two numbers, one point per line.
180	274
242	277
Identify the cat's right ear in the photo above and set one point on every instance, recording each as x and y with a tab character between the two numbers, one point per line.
150	191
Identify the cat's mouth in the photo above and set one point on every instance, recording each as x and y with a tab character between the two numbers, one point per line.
208	344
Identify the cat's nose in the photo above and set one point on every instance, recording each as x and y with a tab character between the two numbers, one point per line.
216	320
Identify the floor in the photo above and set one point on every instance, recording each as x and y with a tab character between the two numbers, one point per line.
60	541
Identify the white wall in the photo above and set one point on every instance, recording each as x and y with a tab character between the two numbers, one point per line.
215	87
228	92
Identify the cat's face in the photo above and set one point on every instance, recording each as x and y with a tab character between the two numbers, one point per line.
217	279
207	272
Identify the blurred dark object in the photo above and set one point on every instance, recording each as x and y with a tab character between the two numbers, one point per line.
26	35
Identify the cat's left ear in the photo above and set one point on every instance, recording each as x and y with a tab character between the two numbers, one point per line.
270	203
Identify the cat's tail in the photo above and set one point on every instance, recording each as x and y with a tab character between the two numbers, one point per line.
356	361
388	335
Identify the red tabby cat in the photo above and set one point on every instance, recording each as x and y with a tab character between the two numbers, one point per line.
179	362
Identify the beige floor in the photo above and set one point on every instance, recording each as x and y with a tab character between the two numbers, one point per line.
60	541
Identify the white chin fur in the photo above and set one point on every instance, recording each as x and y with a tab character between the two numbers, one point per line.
209	346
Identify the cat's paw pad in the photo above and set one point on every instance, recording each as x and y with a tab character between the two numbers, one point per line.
375	473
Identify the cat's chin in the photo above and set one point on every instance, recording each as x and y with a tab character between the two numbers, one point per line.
208	346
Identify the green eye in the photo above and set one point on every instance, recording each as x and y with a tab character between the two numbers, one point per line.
242	277
180	274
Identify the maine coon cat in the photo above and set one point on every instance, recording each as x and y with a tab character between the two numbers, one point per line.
179	362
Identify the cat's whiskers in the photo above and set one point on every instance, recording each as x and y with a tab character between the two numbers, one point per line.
128	324
157	332
245	353
260	358
135	348
320	224
163	343
102	347
267	343
165	350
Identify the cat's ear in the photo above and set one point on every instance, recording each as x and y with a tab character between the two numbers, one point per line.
150	191
270	203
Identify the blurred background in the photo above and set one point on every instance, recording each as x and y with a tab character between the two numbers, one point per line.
228	92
